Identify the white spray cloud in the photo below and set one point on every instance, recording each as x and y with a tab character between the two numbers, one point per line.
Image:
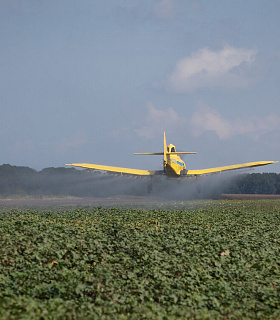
206	68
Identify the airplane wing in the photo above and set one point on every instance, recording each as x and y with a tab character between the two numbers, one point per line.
114	169
227	168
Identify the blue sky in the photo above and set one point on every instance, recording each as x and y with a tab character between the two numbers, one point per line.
96	81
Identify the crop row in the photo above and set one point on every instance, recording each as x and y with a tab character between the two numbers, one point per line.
217	262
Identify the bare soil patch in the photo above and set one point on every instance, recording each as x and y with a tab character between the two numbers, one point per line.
75	202
249	196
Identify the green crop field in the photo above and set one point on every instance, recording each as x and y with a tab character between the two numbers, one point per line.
216	261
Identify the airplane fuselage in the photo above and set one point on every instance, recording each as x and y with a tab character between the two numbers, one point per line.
174	164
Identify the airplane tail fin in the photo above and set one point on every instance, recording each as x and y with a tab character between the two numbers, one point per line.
164	151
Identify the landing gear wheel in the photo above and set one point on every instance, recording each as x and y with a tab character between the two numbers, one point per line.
150	187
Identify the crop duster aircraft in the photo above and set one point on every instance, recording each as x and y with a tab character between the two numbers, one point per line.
173	165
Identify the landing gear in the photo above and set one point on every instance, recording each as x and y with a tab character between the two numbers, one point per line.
150	186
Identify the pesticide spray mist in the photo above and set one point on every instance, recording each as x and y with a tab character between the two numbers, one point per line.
185	188
84	183
190	188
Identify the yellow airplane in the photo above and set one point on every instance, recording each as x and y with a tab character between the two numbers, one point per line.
173	165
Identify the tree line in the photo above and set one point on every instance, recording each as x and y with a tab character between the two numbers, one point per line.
24	181
255	183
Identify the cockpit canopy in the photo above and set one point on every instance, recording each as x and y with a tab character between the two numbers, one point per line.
171	148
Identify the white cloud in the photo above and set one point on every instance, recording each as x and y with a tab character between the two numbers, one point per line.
204	120
22	145
165	9
76	141
158	120
207	119
206	68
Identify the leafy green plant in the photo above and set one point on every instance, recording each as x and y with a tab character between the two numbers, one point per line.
220	262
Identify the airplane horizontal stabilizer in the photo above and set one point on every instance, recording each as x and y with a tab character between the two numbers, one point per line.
227	168
113	169
161	153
